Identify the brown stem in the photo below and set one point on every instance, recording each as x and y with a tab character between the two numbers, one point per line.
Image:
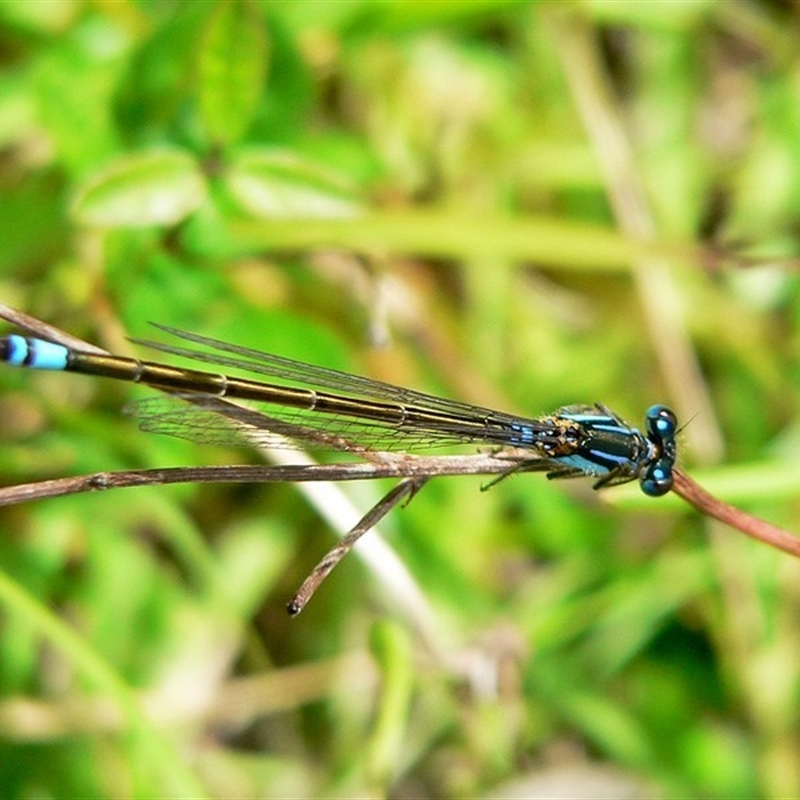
698	497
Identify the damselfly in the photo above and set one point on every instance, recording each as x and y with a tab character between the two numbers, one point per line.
318	407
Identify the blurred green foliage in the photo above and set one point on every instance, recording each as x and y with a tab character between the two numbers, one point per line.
419	191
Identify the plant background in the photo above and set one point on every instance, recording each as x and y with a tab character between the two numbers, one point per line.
518	204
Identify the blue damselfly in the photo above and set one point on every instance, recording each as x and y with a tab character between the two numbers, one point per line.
321	408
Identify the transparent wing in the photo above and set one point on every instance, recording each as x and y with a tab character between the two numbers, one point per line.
448	423
211	420
297	373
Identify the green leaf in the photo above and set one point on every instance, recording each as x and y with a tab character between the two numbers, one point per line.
155	188
156	98
232	69
278	183
72	86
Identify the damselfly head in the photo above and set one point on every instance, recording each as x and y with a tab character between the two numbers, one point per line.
661	425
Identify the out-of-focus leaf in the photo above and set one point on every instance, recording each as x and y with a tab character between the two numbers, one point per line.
39	18
278	183
73	84
152	102
232	69
17	110
284	108
156	188
32	221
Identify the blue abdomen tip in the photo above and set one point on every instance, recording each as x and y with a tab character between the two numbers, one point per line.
22	351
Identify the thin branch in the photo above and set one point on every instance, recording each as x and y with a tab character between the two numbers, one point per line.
37	327
393	467
769	534
404	490
414	472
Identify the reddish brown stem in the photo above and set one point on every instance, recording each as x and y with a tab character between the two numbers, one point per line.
698	497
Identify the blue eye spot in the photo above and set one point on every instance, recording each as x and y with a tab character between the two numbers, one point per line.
661	422
657	478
